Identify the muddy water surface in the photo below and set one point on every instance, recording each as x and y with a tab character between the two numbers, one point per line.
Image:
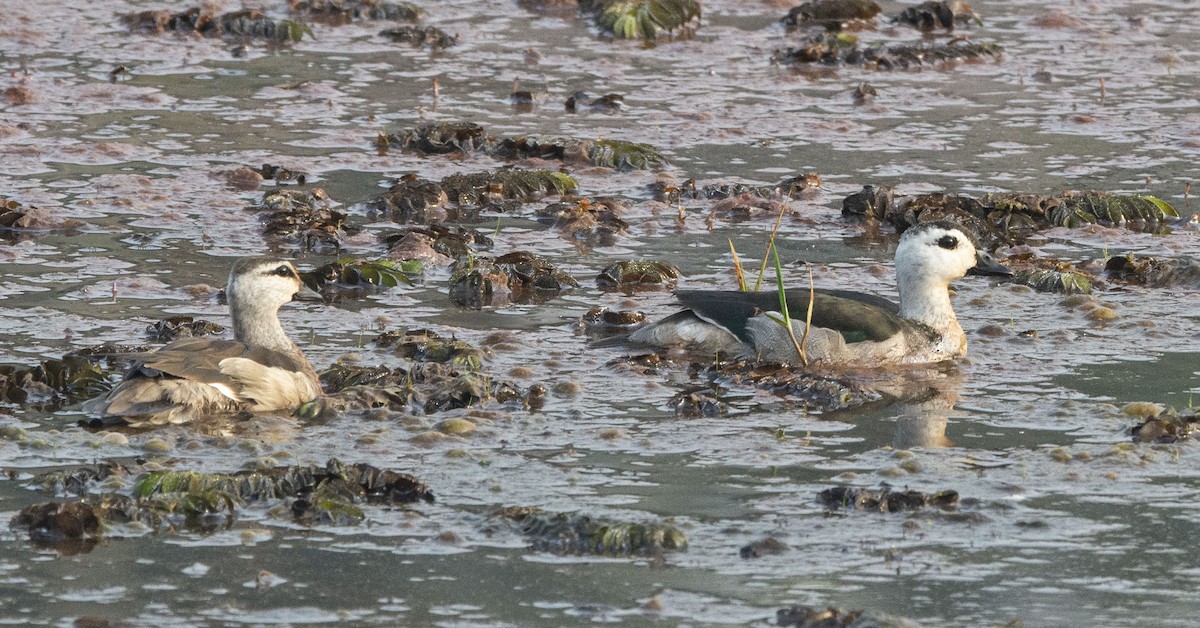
1062	520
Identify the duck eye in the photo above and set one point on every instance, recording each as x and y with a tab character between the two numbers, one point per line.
948	242
283	271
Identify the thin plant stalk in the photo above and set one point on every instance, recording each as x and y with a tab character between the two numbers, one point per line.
770	247
783	309
812	297
737	266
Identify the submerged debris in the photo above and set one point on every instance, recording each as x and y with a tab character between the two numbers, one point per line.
576	534
519	277
642	19
245	23
885	499
638	275
176	327
843	49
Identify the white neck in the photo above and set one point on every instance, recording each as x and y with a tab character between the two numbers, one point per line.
926	299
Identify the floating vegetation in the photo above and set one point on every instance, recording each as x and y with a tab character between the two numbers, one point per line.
1011	217
303	220
1049	275
768	546
422	345
1157	273
831	617
607	102
346	11
17	221
434	243
624	155
466	137
247	23
832	14
667	192
281	174
575	534
843	49
815	393
516	184
1168	426
594	221
603	321
68	527
78	482
642	19
312	495
53	383
638	275
412	199
519	277
176	327
430	36
440	138
353	272
885	499
934	14
426	387
697	403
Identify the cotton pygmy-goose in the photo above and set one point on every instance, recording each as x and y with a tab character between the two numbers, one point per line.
262	370
848	328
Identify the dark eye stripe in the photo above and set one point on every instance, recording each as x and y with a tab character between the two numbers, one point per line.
948	242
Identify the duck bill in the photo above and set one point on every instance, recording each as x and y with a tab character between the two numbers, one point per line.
988	267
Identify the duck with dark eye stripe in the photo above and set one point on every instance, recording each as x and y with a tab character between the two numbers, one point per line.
849	329
261	370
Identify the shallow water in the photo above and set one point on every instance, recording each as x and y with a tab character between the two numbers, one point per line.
1066	521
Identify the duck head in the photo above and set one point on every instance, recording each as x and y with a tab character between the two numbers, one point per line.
262	283
940	252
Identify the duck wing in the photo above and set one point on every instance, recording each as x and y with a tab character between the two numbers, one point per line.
209	374
858	317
